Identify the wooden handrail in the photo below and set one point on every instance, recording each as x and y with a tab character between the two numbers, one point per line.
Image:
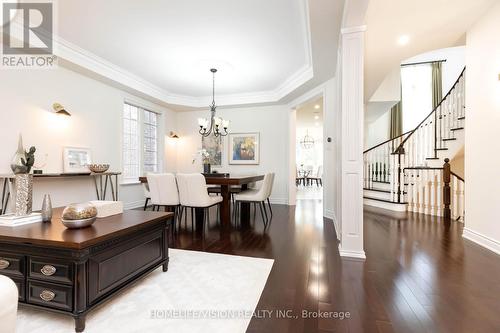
387	141
400	148
460	178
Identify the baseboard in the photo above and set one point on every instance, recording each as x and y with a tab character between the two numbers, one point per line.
352	254
133	204
279	201
482	240
329	214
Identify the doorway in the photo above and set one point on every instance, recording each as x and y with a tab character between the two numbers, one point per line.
309	150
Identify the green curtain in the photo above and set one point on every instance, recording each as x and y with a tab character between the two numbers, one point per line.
396	120
437	84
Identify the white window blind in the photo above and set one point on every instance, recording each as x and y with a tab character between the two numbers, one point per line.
140	129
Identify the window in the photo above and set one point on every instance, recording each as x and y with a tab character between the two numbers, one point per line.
416	94
140	142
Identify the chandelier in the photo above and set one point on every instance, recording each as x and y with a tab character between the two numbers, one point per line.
215	125
308	141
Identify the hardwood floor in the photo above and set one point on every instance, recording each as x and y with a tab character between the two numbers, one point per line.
420	275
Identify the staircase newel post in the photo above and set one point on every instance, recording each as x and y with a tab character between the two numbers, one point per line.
446	189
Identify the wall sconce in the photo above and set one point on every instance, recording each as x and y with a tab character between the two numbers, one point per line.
59	109
173	135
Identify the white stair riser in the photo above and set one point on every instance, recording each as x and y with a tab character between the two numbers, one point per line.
377	194
395	207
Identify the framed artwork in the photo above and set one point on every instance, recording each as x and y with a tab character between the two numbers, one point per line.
244	148
76	159
213	146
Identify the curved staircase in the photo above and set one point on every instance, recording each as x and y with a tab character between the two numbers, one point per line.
411	172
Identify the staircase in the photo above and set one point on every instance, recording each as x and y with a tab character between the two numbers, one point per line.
406	173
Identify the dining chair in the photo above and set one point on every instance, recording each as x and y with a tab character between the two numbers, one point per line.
318	178
193	194
164	193
8	302
257	196
147	194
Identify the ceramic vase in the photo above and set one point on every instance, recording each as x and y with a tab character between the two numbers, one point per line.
47	209
24	194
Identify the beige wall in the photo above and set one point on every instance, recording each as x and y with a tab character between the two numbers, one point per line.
482	161
457	163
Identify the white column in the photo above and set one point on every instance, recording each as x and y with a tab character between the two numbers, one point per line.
351	68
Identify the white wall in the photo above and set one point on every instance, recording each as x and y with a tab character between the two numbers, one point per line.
482	123
272	124
26	97
378	131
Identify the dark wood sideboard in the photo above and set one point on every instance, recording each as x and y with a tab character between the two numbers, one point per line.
73	271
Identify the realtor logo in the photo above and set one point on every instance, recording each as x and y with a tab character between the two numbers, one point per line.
27	35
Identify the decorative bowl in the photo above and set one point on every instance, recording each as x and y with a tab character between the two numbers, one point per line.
79	211
77	224
98	168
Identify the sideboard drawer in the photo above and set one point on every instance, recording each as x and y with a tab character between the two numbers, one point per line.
50	295
11	264
50	270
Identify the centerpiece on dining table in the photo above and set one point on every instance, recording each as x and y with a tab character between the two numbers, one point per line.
205	158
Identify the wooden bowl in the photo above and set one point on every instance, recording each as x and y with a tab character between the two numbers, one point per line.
98	168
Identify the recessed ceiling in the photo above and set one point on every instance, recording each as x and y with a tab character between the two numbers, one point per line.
260	46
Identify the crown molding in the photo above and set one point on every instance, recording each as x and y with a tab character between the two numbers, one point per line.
103	68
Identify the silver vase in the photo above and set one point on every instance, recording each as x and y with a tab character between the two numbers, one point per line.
16	164
46	209
24	194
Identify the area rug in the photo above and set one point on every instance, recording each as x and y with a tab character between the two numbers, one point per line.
201	292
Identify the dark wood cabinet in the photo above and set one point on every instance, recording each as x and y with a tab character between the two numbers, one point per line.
72	271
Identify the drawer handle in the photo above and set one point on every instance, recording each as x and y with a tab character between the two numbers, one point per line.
47	295
4	264
48	270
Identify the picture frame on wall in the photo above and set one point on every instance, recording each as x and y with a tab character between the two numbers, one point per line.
76	160
244	148
214	147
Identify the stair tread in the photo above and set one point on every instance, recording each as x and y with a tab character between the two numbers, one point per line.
441	149
379	181
449	139
432	158
457	128
376	190
383	200
461	118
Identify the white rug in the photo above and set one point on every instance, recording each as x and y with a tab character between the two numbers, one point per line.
214	285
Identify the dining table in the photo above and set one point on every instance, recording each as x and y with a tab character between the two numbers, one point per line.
226	181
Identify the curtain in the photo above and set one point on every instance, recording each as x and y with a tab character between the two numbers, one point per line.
437	85
396	120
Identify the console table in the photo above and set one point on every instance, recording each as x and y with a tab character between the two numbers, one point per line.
73	271
100	181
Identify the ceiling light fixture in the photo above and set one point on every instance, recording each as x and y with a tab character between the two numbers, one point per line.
59	109
218	126
317	106
308	141
403	40
316	117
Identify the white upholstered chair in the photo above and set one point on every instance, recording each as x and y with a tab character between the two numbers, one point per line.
164	193
257	196
193	194
8	305
147	194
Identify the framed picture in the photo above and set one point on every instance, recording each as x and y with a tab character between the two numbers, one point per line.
213	145
76	159
244	148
